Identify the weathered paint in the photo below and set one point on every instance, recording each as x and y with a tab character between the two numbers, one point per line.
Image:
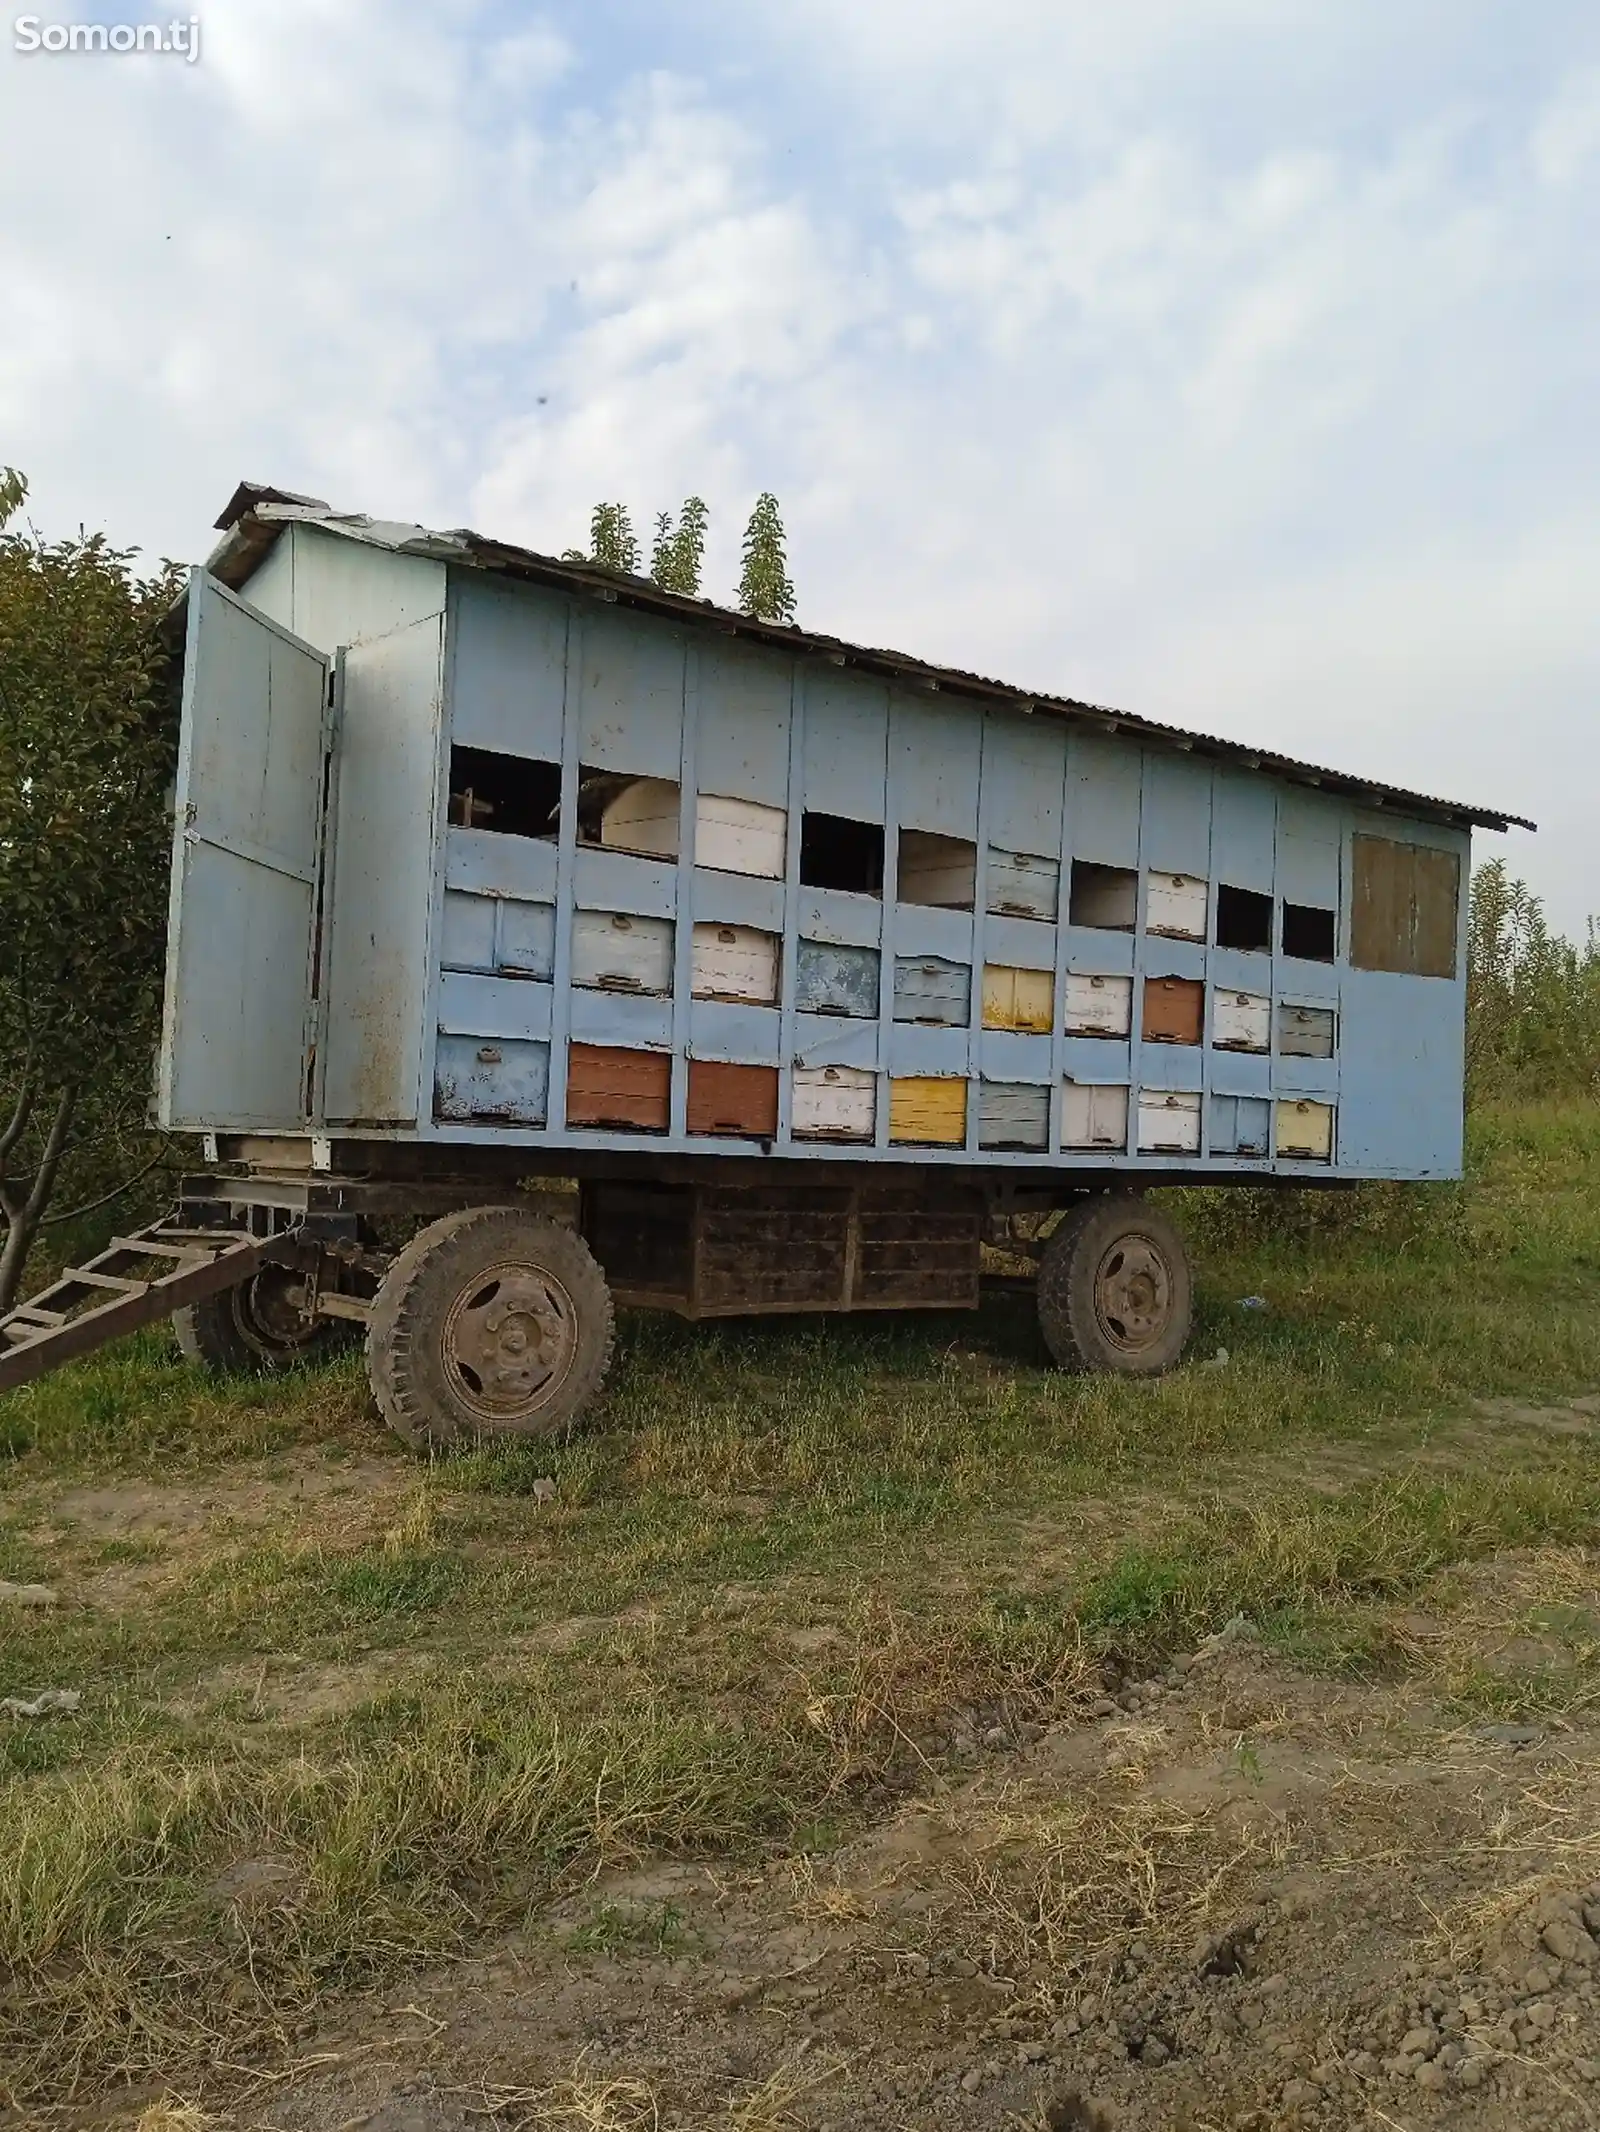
1013	1114
497	934
503	1080
1175	904
1305	1032
726	1098
1021	884
1305	1129
927	1111
628	1091
1169	1122
739	836
1094	1117
834	1103
1174	1010
735	962
929	989
619	952
836	980
1241	1125
1018	999
1241	1021
1098	1004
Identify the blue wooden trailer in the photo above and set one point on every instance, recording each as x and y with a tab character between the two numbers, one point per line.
539	939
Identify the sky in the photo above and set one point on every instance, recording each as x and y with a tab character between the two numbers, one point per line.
1233	362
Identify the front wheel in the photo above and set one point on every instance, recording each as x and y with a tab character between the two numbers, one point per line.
258	1329
491	1323
1114	1289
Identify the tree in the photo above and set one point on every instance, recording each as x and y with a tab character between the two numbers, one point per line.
87	742
766	590
613	544
679	553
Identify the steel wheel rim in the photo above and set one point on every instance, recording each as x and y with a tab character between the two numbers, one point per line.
1133	1294
269	1318
509	1339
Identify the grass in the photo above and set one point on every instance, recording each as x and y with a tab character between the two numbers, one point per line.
344	1712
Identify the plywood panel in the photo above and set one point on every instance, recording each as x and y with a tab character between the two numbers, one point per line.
741	1101
742	734
927	1111
846	744
834	1103
1174	1010
1095	1117
1404	907
935	751
628	1091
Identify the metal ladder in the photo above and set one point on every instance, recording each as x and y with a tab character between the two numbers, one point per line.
119	1290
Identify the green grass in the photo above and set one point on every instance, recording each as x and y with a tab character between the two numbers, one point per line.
420	1698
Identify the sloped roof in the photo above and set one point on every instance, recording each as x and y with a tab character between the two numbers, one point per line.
256	515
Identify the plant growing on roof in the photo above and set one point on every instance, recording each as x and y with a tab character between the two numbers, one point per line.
87	741
613	544
679	552
766	590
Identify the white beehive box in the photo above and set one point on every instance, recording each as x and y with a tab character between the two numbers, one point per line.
643	817
1169	1122
939	870
1241	1021
738	836
1099	1006
834	1103
1095	1118
1305	1129
1175	904
616	952
735	962
1023	885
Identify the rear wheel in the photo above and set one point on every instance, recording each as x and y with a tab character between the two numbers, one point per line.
1114	1289
258	1329
491	1323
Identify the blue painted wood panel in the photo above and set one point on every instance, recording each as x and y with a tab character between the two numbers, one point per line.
829	1040
836	980
935	752
500	1082
1244	829
919	929
738	899
1240	1125
831	914
1176	813
845	754
742	723
617	881
1105	778
1006	1055
493	1006
524	867
718	1029
630	695
1310	829
1024	779
509	665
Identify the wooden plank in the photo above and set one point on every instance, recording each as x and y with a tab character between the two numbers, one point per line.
1174	1010
736	1100
927	1110
608	1085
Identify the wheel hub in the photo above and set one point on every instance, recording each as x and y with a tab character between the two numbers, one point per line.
509	1339
1133	1293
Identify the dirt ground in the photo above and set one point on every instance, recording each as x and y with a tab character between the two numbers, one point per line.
1232	1896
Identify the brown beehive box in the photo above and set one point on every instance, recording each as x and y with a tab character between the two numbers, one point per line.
628	1090
1174	1010
742	1100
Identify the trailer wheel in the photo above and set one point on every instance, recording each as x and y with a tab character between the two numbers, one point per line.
1114	1289
490	1323
257	1329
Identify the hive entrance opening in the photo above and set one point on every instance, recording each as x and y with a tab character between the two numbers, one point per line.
1309	933
1103	896
1244	919
513	795
838	853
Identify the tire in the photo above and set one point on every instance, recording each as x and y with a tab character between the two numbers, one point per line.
493	1323
255	1330
1115	1292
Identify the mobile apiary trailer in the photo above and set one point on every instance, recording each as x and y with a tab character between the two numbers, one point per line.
539	938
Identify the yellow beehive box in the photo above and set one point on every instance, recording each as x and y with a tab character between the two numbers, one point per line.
928	1110
1017	999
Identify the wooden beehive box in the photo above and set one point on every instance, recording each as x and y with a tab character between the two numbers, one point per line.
834	979
739	836
1021	884
927	988
927	1110
834	1103
735	962
1241	1021
616	951
630	1091
1099	1005
1174	1010
738	1100
1095	1117
1169	1122
1017	999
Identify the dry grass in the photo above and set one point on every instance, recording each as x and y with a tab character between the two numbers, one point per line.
589	2101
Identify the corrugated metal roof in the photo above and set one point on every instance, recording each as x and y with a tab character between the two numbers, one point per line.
257	514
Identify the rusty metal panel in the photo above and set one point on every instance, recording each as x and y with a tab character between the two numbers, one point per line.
836	980
735	962
834	1103
381	952
627	1090
737	1100
928	1110
244	870
1304	1129
1174	1010
630	695
1305	1032
1018	999
616	951
1169	1122
929	989
1023	884
1405	907
742	724
1013	1115
1241	1021
1241	1125
498	1080
1095	1116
